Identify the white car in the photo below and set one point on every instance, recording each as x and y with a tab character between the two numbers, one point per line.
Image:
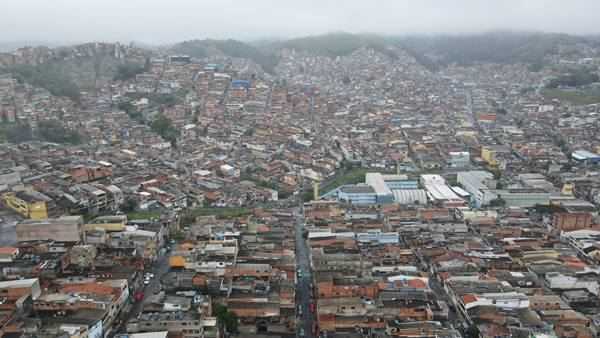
146	282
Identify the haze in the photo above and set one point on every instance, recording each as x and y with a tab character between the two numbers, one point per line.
155	21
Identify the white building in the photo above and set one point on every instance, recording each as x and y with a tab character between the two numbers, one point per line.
458	159
503	300
478	183
558	281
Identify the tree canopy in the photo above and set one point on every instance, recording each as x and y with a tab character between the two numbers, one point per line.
576	78
226	318
164	127
47	77
54	131
128	71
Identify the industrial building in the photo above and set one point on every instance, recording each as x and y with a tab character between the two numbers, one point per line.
478	183
585	157
524	198
357	194
410	196
395	182
382	191
481	185
62	229
439	192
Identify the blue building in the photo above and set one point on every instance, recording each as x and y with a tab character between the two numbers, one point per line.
240	84
357	194
400	182
585	157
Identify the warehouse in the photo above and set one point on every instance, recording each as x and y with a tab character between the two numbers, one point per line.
62	229
382	191
585	157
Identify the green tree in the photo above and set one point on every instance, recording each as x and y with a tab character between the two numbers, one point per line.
130	110
164	99
54	131
18	133
164	127
226	319
128	71
47	76
472	332
498	202
129	205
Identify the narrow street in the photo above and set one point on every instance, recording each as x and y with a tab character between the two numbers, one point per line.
159	269
303	291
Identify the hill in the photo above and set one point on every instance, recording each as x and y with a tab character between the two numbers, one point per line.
335	44
496	47
231	48
65	71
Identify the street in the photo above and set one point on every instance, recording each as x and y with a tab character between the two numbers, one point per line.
8	224
159	268
303	290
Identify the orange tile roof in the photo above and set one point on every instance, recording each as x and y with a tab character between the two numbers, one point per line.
417	284
7	250
469	298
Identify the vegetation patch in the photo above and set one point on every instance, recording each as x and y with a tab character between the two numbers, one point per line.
578	97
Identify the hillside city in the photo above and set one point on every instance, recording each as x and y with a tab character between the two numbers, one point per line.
330	186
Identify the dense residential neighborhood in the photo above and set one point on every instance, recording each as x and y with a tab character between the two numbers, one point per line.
362	194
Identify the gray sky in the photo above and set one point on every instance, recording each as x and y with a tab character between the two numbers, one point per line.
175	20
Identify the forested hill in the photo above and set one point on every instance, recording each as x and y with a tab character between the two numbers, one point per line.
65	71
232	48
498	47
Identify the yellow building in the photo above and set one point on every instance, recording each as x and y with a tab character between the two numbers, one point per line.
567	189
107	223
488	154
30	204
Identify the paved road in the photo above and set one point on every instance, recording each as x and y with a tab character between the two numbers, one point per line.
159	268
303	290
454	317
8	226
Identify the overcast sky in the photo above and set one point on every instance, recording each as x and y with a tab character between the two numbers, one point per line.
160	21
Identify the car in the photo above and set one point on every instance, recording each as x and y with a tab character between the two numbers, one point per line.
301	333
146	282
149	275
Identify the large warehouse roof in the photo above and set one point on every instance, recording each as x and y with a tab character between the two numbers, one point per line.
376	181
409	196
